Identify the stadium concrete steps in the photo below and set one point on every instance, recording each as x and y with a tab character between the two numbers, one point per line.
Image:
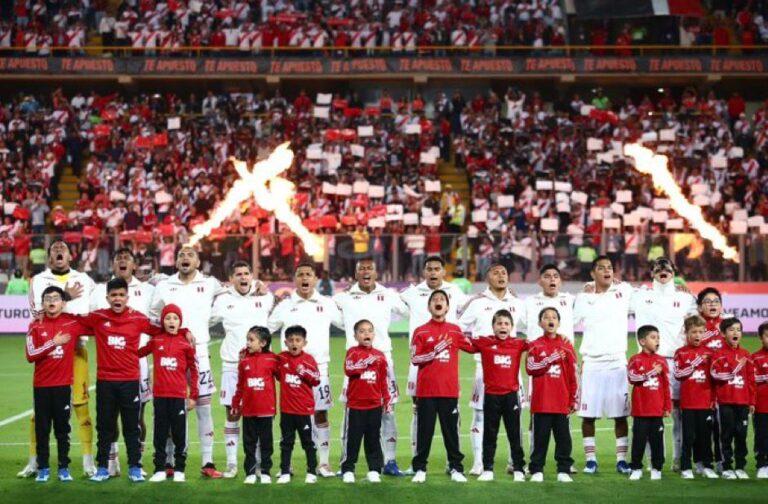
68	191
456	178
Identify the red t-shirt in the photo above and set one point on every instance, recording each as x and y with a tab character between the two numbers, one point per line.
256	394
435	351
692	366
367	372
53	364
174	365
650	391
297	377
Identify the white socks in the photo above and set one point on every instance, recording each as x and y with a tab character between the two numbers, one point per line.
114	461
389	436
322	438
414	428
622	444
476	436
205	429
231	439
589	448
170	448
677	434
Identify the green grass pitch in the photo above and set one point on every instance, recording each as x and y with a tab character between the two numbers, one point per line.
606	486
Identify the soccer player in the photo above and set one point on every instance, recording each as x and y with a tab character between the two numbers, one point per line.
299	379
552	364
500	356
50	345
139	299
435	351
476	318
78	287
692	364
415	297
550	296
603	392
117	331
255	400
173	357
665	307
367	299
239	308
367	398
734	376
651	402
307	308
760	417
194	293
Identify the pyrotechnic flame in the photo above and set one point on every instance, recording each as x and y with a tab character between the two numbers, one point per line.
655	165
271	192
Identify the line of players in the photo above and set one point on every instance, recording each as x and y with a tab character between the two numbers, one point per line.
603	308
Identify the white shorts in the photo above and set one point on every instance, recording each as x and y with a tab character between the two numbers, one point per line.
478	390
206	385
228	387
145	389
674	384
394	390
413	373
604	391
323	399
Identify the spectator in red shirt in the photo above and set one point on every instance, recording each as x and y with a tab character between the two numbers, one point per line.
736	107
651	402
623	43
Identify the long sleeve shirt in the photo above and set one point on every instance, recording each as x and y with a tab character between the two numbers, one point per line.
760	361
174	365
692	366
366	369
650	392
734	381
552	365
53	363
501	362
435	351
256	392
298	374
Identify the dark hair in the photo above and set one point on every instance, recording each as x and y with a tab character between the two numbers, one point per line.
116	283
645	330
503	313
361	322
542	312
495	264
124	250
18	273
599	258
547	267
262	333
365	259
238	264
728	322
296	330
436	292
55	241
306	264
708	290
58	290
434	258
762	328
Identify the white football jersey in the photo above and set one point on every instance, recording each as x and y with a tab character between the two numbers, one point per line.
315	314
376	306
606	323
476	315
417	298
666	308
238	313
562	302
46	278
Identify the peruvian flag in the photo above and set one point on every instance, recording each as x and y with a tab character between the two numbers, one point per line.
634	8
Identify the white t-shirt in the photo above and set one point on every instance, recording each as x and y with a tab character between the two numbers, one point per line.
666	308
562	302
606	323
238	313
376	306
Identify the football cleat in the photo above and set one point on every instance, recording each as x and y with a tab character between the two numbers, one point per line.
590	467
391	469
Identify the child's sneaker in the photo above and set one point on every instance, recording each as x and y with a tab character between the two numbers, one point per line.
348	477
655	475
729	475
250	479
310	479
564	478
64	475
519	477
102	474
231	472
158	477
134	474
43	475
458	477
179	477
688	474
419	477
636	475
537	477
742	474
710	473
622	467
265	479
590	467
762	473
486	476
283	479
373	477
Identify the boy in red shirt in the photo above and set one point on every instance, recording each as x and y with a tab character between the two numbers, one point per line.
255	400
51	346
367	399
500	356
551	364
692	363
734	377
760	417
298	374
174	364
435	352
651	401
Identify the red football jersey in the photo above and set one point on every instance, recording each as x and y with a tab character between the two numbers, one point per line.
435	351
552	365
760	362
117	342
712	337
734	381
173	365
692	365
256	395
53	364
650	391
501	362
297	377
367	372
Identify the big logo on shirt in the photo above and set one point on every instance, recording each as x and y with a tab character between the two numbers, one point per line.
503	360
699	376
651	383
168	363
116	342
737	381
292	379
555	371
258	383
369	376
57	353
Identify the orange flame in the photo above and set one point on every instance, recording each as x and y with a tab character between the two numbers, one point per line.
271	192
655	165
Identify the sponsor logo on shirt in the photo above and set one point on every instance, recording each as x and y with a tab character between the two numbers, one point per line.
555	371
369	376
58	353
503	360
257	383
737	382
699	376
444	356
651	383
292	379
116	342
169	363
